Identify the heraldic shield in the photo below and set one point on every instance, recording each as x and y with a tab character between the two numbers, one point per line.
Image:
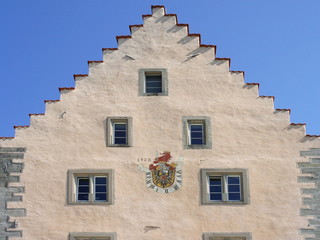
162	175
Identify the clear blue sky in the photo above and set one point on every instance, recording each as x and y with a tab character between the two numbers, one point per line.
43	43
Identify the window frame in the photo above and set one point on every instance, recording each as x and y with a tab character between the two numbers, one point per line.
213	236
111	121
73	185
85	235
205	121
206	173
190	131
156	72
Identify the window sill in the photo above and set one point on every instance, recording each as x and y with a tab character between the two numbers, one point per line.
204	146
90	203
153	94
119	145
224	203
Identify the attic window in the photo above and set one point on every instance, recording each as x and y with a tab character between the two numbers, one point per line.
153	82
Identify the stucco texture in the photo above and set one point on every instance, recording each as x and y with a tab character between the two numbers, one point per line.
247	133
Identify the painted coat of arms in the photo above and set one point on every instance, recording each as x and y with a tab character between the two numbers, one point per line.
163	175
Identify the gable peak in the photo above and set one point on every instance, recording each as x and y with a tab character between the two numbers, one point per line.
158	10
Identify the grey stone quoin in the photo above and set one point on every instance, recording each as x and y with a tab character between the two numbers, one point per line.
8	193
312	202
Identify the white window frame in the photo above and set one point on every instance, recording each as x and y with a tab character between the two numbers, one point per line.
92	187
224	186
208	173
143	73
227	236
113	134
111	122
93	236
73	186
199	123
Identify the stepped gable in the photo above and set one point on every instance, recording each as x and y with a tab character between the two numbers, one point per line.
196	51
10	171
158	14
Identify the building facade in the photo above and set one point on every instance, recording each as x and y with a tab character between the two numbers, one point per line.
160	140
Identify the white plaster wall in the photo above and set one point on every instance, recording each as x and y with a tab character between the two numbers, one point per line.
246	133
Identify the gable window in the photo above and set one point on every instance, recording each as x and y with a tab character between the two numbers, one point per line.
90	186
119	131
92	236
153	82
196	132
227	236
224	186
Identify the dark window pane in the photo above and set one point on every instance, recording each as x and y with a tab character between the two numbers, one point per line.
196	127
101	196
216	197
215	189
83	189
196	141
234	196
233	180
120	134
234	188
101	180
120	126
101	188
153	90
154	78
196	135
120	141
215	181
154	84
84	181
83	197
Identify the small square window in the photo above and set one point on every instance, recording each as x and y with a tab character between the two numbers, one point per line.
153	82
119	131
227	236
92	236
90	186
228	186
196	132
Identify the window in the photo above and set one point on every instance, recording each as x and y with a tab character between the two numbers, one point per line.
196	132
228	186
119	131
92	236
153	82
90	186
227	236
